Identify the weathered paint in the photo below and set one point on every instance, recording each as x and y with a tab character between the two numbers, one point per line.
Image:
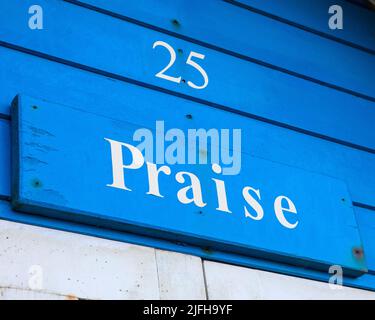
46	80
42	148
326	121
366	224
231	88
304	54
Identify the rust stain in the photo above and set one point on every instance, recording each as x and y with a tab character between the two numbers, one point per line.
207	250
358	253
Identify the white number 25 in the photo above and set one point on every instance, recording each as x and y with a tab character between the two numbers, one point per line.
189	61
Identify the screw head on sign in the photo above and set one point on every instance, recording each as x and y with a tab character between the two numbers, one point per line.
175	22
36	183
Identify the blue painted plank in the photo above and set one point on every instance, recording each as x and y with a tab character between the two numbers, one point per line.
63	169
66	85
358	27
367	281
4	159
366	224
268	94
251	36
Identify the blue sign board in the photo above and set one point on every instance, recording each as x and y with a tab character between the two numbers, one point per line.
86	167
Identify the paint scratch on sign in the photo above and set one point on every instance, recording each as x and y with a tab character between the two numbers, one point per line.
41	147
55	195
33	161
40	132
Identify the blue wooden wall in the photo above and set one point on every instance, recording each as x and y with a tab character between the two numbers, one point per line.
308	91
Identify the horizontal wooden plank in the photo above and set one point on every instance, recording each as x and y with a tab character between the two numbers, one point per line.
271	95
254	36
366	281
43	147
366	223
70	86
358	24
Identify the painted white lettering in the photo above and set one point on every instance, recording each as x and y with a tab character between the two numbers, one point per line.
118	165
253	203
220	190
153	178
195	187
279	211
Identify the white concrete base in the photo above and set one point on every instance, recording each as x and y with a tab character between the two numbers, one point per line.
40	263
232	282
